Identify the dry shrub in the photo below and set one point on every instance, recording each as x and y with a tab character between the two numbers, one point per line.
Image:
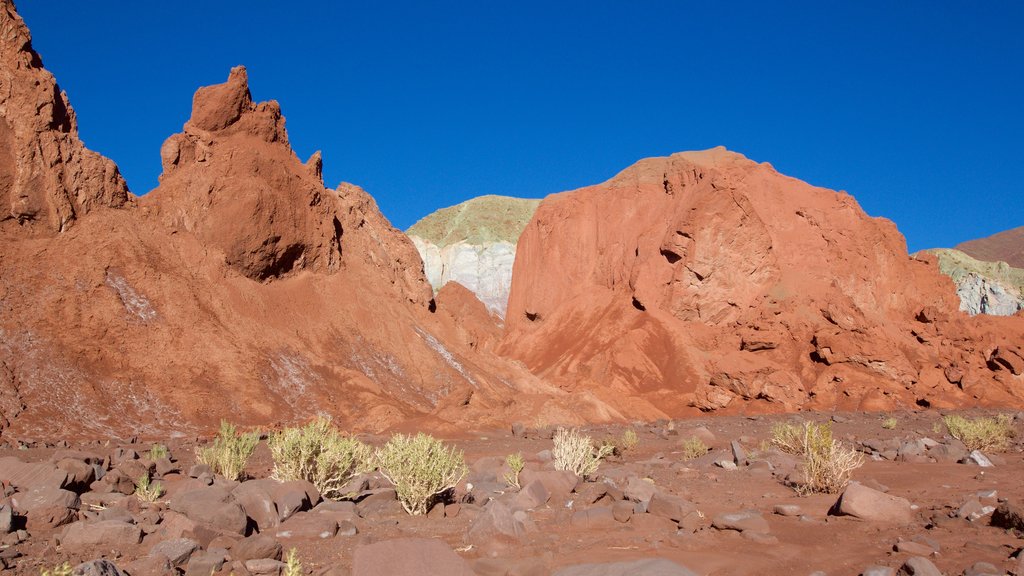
229	452
421	468
985	434
693	448
319	454
576	452
827	463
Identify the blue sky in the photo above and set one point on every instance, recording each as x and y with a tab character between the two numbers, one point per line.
914	107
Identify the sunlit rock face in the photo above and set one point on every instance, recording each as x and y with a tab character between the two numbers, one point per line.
474	244
994	288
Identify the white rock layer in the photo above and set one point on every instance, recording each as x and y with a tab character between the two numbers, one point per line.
980	295
485	269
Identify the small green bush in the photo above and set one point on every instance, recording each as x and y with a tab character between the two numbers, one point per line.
229	452
693	448
516	464
889	423
318	453
575	452
158	451
985	434
148	491
421	468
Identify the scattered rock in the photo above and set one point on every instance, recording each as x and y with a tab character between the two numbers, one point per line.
112	534
96	568
177	551
670	506
746	521
979	458
259	546
264	567
308	525
878	571
862	502
983	569
497	520
204	563
918	566
6	519
1008	516
787	510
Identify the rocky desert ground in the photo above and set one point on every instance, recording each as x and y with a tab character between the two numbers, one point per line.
700	366
922	503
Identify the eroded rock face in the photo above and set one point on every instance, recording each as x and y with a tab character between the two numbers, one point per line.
474	244
983	287
705	281
48	178
240	288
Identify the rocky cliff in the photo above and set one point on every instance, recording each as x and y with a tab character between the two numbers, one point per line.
48	178
983	287
1006	246
705	281
240	288
474	244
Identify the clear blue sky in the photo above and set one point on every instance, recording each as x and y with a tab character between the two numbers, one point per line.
914	107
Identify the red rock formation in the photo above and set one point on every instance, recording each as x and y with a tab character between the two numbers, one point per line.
47	176
707	281
240	288
1006	246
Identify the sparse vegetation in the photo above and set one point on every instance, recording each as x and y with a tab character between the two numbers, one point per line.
421	468
158	451
292	566
229	452
693	448
576	452
788	437
985	434
62	570
516	464
147	490
889	422
827	463
317	452
629	440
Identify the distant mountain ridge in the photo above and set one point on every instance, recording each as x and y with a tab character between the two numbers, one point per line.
1006	246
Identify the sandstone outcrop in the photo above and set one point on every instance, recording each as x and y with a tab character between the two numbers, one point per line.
48	178
240	288
983	287
474	244
1006	246
705	281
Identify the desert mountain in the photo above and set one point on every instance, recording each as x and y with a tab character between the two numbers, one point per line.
706	281
240	288
1006	246
983	287
243	288
474	244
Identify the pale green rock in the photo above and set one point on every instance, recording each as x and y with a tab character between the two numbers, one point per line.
474	244
984	287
